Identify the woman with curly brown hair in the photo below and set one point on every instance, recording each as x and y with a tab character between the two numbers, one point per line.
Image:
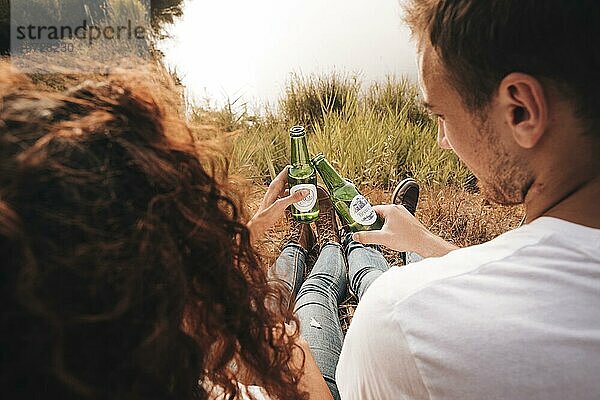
127	271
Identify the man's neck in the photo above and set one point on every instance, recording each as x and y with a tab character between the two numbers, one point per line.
573	200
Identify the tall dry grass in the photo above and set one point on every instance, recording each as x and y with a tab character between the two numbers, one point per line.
375	136
308	99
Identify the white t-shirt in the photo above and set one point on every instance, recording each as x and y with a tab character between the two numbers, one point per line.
515	318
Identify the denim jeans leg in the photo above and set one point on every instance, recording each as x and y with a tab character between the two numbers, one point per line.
365	264
317	309
289	269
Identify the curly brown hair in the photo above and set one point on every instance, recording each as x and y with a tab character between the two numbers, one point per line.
127	271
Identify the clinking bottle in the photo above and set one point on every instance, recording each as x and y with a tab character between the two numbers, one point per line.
350	205
302	176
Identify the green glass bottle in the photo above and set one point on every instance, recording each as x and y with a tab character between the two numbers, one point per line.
350	205
302	175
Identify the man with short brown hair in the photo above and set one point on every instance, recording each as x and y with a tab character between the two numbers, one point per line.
515	86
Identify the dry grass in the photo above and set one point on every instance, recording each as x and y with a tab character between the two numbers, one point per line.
377	135
466	219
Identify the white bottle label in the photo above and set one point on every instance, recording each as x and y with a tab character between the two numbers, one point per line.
307	203
361	211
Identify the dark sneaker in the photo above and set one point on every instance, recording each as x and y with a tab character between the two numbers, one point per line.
407	195
327	227
299	233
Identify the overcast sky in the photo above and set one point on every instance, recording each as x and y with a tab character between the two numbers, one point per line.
228	48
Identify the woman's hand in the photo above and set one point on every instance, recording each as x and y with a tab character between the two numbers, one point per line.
273	205
403	232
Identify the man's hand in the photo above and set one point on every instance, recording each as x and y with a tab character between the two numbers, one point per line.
403	232
273	205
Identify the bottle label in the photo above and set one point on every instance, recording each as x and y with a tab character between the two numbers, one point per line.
361	211
307	203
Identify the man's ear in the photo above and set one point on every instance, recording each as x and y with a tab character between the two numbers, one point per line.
526	108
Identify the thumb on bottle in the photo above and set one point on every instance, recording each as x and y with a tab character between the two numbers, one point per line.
293	198
300	194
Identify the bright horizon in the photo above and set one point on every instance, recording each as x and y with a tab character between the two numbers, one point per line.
230	48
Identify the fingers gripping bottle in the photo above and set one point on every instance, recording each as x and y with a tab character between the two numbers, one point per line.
351	206
302	176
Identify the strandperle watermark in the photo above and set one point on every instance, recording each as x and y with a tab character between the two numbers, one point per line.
84	31
78	34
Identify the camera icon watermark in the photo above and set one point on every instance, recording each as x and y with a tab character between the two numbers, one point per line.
79	35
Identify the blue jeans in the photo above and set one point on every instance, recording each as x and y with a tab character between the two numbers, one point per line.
318	297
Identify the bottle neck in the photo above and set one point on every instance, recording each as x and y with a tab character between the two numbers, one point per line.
299	151
330	176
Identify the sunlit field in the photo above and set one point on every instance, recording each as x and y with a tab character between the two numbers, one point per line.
375	134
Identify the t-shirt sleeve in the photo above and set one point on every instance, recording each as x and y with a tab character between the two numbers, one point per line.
376	361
